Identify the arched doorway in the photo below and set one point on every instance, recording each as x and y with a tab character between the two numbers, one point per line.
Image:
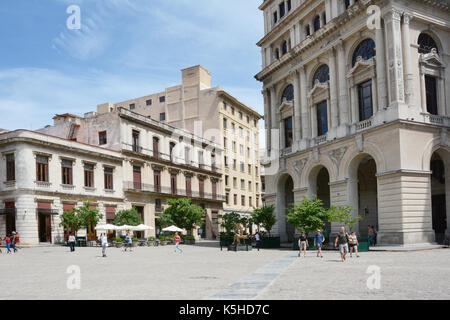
285	199
363	192
438	196
319	182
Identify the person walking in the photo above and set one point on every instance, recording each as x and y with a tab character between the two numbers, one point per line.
8	244
371	233
319	239
72	242
354	244
302	244
128	242
258	240
18	240
13	242
104	242
177	240
342	241
0	245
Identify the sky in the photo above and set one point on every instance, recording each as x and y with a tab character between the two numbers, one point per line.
125	49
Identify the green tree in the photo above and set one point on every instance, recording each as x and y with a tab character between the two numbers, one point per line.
88	218
308	216
264	217
343	215
183	214
70	221
128	217
229	222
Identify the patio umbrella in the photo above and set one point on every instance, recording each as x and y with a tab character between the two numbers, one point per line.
173	229
126	228
143	227
106	227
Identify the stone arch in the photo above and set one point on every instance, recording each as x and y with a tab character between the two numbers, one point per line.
311	165
370	149
285	197
280	89
431	147
313	68
434	36
350	49
365	41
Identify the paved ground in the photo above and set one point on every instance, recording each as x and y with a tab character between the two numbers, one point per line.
204	272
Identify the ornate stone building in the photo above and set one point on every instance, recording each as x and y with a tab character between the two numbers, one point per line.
356	108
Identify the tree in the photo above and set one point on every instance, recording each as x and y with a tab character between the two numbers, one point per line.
70	221
88	218
308	216
343	215
229	222
183	214
128	217
265	216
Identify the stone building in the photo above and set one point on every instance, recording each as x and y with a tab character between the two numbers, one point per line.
216	115
43	176
159	162
356	109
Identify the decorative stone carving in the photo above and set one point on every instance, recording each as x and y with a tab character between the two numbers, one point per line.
337	155
360	142
316	155
299	165
158	167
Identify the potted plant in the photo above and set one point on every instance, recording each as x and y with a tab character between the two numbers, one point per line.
134	242
151	241
119	242
189	240
163	240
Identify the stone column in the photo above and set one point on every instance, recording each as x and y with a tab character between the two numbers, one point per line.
304	103
407	55
381	69
334	117
273	108
355	109
423	91
268	117
441	98
297	110
343	87
313	119
395	56
374	97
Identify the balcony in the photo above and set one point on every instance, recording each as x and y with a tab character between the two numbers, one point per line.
320	140
436	120
363	125
130	186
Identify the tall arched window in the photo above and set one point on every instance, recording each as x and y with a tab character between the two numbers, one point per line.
277	54
366	50
426	44
322	74
288	93
284	48
316	23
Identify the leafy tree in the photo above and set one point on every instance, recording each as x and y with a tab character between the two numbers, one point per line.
70	221
343	215
88	218
183	214
308	216
229	221
265	216
128	217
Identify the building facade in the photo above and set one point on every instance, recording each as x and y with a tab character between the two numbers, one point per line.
216	115
356	110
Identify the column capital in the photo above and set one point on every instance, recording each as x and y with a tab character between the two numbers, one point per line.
330	52
407	17
339	45
393	15
294	72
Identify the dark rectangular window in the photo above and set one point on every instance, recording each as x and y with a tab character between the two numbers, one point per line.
275	17
155	147
158	205
214	190
173	183
235	199
102	138
189	186
157	180
41	169
136	147
282	10
148	102
289	5
171	149
108	172
10	167
162	99
201	188
137	178
322	118
132	106
162	116
308	30
89	175
67	172
288	134
347	3
243	201
365	100
431	90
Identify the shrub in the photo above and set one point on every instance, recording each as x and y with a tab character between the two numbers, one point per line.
162	238
118	239
135	239
151	239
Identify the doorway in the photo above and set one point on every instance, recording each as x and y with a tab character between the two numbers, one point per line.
45	228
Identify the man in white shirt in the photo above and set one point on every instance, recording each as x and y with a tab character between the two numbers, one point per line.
104	241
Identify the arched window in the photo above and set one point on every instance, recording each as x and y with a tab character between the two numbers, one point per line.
308	31
322	74
284	48
288	93
316	23
366	50
277	54
426	44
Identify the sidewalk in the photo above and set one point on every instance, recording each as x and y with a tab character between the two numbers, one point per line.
408	247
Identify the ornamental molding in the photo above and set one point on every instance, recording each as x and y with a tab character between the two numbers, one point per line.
337	155
299	165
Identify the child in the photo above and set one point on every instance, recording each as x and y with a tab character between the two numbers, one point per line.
8	243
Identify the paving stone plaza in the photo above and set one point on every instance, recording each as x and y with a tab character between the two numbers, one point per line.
203	272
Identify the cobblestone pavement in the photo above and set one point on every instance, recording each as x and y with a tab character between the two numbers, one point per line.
204	272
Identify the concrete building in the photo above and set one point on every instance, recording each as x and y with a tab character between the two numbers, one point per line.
159	162
43	176
356	108
216	115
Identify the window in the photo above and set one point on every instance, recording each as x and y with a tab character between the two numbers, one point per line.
136	147
157	180
257	187
243	201
308	30
235	199
248	153
289	5
171	149
288	93
158	205
277	54
249	186
89	175
426	44
316	23
284	48
242	184
322	75
249	169
132	106
225	123
201	188
108	172
187	155
102	138
137	178
250	201
149	102
214	189
156	147
322	118
234	182
42	169
324	17
162	116
288	134
256	170
173	184
275	17
225	143
234	146
227	198
233	128
234	164
365	100
242	167
248	119
347	4
241	132
241	149
10	167
225	106
232	111
282	10
431	92
162	99
255	123
66	166
227	180
226	161
365	50
240	115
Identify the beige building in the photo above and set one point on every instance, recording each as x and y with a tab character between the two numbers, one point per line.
160	162
215	115
356	108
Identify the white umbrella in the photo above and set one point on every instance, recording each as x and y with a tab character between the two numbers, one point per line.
106	227
172	229
126	228
143	227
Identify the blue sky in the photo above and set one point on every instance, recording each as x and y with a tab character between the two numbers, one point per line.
125	49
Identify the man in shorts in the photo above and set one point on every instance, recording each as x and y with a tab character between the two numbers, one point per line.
319	239
302	244
342	241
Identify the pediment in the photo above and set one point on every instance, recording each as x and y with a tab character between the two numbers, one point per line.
432	59
319	88
286	105
361	65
